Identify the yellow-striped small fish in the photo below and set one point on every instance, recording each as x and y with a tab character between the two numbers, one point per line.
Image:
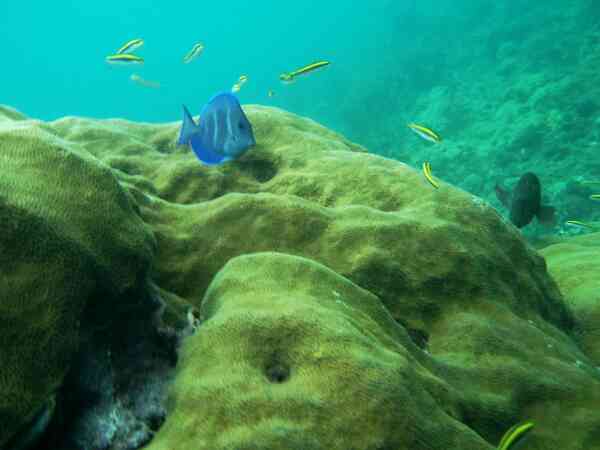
130	46
429	176
589	182
288	77
196	50
515	434
426	133
271	93
579	224
595	197
241	81
143	82
124	58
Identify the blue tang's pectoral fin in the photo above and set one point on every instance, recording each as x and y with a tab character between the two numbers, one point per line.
188	128
206	155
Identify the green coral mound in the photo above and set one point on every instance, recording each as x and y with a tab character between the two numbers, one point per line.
515	109
293	346
306	190
443	307
69	231
574	265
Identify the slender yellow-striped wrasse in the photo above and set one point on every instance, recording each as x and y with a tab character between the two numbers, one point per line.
143	82
595	197
579	224
124	58
241	81
288	77
429	176
426	133
589	182
130	46
515	434
196	50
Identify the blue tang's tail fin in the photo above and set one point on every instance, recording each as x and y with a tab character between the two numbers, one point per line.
188	128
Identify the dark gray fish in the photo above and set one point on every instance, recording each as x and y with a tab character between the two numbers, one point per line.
525	202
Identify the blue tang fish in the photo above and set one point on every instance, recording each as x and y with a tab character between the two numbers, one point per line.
224	132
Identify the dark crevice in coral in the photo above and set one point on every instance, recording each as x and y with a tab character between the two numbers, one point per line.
164	145
113	396
277	371
32	432
419	337
262	170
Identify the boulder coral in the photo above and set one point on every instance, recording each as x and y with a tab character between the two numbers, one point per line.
324	297
574	265
69	234
318	363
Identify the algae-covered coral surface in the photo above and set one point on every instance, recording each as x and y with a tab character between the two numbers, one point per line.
309	295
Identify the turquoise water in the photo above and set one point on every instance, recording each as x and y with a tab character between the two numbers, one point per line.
510	86
57	53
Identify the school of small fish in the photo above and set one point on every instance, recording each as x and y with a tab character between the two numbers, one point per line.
124	55
523	203
224	132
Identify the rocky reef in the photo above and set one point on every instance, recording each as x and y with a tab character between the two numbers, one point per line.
309	295
512	87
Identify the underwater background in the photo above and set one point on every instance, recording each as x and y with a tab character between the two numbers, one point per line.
510	86
308	295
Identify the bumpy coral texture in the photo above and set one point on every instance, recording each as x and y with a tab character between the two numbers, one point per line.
291	355
447	329
574	265
67	227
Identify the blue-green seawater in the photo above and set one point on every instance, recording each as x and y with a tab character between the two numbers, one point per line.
511	86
